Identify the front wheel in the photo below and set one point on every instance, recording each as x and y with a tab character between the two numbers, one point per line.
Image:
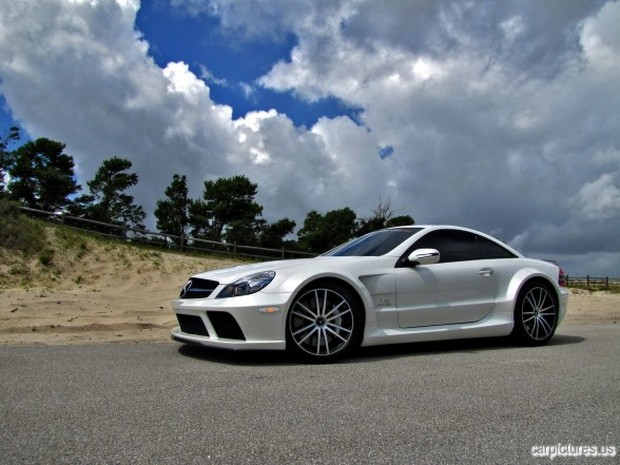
536	314
324	323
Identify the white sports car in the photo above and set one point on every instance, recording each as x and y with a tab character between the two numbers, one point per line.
397	285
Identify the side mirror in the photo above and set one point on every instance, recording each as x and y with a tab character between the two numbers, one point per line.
423	257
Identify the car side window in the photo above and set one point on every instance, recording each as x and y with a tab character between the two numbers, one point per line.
492	250
453	246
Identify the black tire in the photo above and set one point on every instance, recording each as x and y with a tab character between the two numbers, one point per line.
324	323
536	314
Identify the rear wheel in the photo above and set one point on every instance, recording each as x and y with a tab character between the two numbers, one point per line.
324	323
536	314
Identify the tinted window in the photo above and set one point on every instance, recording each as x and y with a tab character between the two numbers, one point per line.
374	244
453	246
491	249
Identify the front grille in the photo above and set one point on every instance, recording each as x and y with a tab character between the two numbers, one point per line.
192	324
197	288
225	325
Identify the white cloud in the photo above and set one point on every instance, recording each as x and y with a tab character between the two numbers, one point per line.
601	39
499	115
425	69
600	199
182	81
248	90
208	76
608	157
512	27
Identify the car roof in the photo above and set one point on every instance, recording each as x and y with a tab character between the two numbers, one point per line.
424	228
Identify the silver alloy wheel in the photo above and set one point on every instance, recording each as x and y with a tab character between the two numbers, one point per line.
539	313
322	322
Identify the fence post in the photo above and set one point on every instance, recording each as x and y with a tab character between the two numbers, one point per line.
588	280
606	282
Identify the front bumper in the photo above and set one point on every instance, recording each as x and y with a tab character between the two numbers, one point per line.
254	322
220	343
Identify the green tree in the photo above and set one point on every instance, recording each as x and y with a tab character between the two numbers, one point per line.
108	201
199	219
243	231
228	205
324	232
272	235
5	156
172	213
42	176
401	220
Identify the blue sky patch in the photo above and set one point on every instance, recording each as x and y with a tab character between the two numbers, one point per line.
229	69
386	151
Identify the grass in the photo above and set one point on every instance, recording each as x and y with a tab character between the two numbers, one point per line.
36	252
613	289
46	256
18	232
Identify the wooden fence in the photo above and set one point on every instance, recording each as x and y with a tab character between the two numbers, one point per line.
605	282
168	241
191	244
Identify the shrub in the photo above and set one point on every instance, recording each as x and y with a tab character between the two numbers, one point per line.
46	256
18	232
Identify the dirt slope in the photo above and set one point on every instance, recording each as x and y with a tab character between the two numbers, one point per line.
92	291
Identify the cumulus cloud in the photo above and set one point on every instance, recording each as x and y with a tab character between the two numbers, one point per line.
495	125
496	115
600	199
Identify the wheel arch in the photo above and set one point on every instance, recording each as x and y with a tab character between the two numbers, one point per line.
323	280
526	277
524	333
339	286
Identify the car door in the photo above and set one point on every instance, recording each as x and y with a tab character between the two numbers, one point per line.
461	288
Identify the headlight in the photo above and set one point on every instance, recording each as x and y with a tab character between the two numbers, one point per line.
248	284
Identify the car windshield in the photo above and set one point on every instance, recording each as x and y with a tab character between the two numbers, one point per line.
373	244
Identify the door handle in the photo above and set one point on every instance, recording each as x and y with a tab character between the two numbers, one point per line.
486	272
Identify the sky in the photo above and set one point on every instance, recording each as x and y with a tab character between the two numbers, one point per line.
499	116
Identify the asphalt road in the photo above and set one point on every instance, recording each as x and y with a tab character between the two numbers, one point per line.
479	402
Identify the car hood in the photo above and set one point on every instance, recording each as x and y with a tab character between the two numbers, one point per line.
288	268
230	275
